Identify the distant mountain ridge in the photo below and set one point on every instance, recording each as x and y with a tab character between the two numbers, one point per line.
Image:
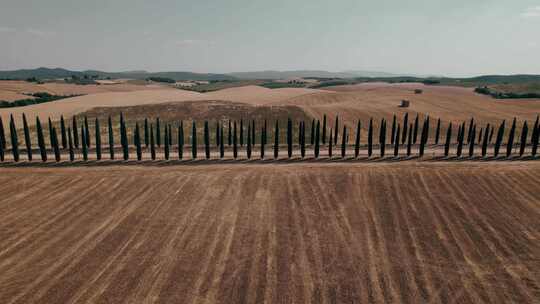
272	75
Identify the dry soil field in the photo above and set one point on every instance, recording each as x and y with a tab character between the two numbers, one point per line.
312	233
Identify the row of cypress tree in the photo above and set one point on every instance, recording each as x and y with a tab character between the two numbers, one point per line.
406	134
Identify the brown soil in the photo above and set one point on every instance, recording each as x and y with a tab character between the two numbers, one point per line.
335	233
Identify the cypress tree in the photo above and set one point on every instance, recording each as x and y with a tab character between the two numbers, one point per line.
423	137
535	128
265	133
330	142
194	140
480	135
98	140
217	135
146	137
472	141
276	140
336	131
370	137
415	132
111	138
485	141
262	142
2	135
14	139
396	141
153	145
27	139
289	138
343	142
75	133
303	140
469	134
235	141
55	146
383	138
70	145
461	136
312	137
448	140
405	125
324	130
357	141
535	140
83	144
498	140
523	141
63	132
125	146
41	140
393	133
170	136
241	132
206	140
317	139
248	147
166	143
50	133
1	151
438	131
181	140
87	132
158	132
510	144
409	141
491	135
253	133
137	140
221	143
230	133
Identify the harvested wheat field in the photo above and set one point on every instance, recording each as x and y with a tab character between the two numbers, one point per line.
293	233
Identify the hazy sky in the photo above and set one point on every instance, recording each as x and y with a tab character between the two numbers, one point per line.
458	37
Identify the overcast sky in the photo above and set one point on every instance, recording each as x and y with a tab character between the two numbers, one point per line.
440	37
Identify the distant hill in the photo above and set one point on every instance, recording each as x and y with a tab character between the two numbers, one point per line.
271	75
47	73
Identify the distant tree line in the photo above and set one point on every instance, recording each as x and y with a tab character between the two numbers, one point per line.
505	95
41	97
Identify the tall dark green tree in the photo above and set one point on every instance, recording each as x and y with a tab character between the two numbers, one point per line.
194	140
523	141
396	141
181	140
75	133
50	133
423	137
472	141
41	140
146	135
535	127
83	144
461	136
158	132
289	137
317	139
230	133
276	140
170	136
303	139
370	137
263	134
265	137
253	133
137	141
480	133
123	137
336	130
14	139
469	134
2	135
221	143
535	140
248	144
393	132
206	140
405	125
312	137
324	130
382	139
485	140
409	141
344	142
153	144
2	152
87	131
330	142
63	132
415	131
241	132
56	148
438	131
235	141
448	140
499	139
217	134
70	145
27	139
510	144
111	138
357	141
98	140
166	143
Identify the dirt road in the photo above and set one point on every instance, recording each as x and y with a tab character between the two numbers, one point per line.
294	233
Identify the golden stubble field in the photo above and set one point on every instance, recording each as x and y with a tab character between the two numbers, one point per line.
412	232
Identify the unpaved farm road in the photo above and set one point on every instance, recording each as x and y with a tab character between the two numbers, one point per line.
297	233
